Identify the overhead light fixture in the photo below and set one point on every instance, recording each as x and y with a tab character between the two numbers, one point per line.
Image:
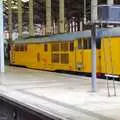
25	0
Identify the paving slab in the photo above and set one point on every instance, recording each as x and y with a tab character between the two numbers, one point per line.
59	95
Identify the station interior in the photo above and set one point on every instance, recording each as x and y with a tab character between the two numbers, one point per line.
59	59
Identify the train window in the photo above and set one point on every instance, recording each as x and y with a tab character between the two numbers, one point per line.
98	43
71	46
89	43
21	47
80	45
16	47
45	47
85	43
64	46
65	58
55	58
55	47
38	57
25	47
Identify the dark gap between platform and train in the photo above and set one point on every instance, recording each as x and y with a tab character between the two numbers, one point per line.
10	110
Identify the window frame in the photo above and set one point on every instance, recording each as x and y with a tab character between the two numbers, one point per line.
54	48
45	47
80	44
64	45
71	46
87	43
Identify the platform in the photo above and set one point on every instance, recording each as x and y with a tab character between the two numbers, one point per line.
60	96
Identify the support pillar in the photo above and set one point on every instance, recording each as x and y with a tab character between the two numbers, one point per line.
20	18
85	19
66	25
10	19
81	26
48	16
93	42
94	10
110	2
31	22
1	38
61	16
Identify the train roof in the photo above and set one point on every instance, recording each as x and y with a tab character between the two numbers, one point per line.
103	32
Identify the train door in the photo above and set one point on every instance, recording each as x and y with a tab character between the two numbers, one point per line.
44	55
55	55
79	55
86	55
110	56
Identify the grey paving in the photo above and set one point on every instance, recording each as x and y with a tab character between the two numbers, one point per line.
64	96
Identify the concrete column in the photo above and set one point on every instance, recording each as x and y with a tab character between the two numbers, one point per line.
81	26
110	2
94	10
61	16
66	25
73	26
31	23
85	19
54	27
93	42
20	18
10	19
76	26
48	16
70	27
1	38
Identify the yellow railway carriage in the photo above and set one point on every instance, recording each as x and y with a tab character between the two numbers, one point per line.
69	52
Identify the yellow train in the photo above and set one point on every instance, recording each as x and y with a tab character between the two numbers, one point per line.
69	52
